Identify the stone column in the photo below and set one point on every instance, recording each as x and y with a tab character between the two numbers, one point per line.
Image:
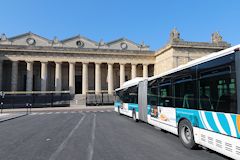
58	76
110	78
145	70
14	77
72	77
134	71
1	70
84	78
29	82
122	74
97	78
44	76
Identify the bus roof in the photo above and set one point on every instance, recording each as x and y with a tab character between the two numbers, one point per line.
203	59
131	83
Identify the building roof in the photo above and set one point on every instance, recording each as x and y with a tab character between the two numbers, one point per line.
72	42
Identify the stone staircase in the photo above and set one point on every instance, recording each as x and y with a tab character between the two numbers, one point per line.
79	100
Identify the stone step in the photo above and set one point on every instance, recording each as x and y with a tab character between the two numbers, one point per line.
78	100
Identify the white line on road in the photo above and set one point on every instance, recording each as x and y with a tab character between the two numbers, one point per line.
91	144
63	144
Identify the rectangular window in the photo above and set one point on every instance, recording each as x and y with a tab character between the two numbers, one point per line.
218	93
152	94
184	93
165	94
217	85
129	95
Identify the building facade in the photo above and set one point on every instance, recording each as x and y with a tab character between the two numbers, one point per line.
29	62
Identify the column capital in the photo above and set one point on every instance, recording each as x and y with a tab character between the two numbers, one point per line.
134	64
110	63
122	63
29	61
97	62
58	62
145	64
44	61
15	61
72	62
85	62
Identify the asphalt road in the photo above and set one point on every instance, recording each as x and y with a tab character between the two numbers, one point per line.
90	136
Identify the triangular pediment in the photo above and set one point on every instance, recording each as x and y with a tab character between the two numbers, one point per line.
30	39
79	42
123	44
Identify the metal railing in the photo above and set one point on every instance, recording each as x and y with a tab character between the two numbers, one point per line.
99	99
34	99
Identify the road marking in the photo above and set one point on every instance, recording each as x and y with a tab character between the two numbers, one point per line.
63	144
91	144
66	112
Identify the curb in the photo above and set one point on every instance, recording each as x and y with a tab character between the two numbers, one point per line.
15	117
59	109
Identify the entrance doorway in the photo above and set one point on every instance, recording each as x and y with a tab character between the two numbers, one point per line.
78	84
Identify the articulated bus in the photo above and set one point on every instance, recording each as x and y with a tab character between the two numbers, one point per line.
198	101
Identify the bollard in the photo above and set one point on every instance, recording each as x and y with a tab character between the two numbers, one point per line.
2	94
30	108
27	107
1	107
102	98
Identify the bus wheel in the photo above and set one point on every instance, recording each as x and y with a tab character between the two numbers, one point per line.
186	136
134	116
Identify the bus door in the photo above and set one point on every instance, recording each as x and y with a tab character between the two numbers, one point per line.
142	100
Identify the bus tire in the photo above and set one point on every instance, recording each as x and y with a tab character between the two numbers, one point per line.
134	116
186	136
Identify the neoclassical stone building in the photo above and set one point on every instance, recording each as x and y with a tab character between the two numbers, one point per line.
29	62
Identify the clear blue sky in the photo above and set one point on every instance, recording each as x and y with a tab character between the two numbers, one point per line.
138	20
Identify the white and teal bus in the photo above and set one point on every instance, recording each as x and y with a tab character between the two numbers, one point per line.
199	102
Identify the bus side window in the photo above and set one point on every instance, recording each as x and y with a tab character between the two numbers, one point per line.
184	93
165	96
218	92
152	96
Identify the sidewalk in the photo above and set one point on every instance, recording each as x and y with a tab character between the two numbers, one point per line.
9	116
52	109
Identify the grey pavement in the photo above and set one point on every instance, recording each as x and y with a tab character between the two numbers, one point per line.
90	135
